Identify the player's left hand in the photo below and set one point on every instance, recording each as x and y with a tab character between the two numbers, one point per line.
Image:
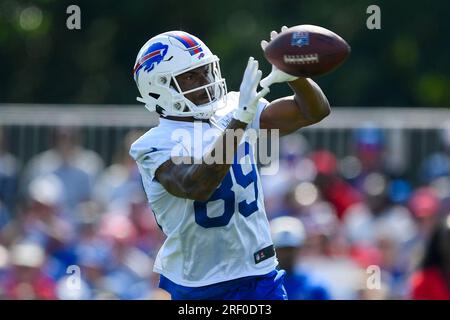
276	75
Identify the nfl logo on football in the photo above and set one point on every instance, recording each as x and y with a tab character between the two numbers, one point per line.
300	39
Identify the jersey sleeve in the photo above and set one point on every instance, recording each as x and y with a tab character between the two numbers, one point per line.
151	151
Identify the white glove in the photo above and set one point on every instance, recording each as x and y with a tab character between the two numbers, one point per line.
248	97
276	75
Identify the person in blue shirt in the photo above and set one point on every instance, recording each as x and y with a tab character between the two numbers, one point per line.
288	235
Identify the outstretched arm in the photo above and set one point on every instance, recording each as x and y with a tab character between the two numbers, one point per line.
198	181
307	106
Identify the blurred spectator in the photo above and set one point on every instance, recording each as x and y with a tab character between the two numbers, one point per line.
288	236
94	261
131	268
119	183
149	236
437	164
77	167
43	223
25	280
333	188
399	191
432	280
293	166
369	145
442	189
377	213
326	253
335	268
43	220
386	227
425	206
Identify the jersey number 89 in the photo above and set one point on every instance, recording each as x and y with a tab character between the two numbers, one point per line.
224	192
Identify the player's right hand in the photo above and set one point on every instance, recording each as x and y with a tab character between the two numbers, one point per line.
276	75
249	97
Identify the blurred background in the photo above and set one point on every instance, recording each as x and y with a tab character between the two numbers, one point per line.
366	191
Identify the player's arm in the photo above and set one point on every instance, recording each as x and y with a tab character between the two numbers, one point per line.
307	106
198	181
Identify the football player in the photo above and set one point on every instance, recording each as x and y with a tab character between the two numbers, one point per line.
218	243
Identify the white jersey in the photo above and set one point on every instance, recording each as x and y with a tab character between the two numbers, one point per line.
214	241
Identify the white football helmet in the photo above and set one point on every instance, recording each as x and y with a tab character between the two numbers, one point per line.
166	56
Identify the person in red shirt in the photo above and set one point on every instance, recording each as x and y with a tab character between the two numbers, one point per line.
432	280
333	188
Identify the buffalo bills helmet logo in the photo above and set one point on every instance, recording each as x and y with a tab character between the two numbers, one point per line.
191	45
151	57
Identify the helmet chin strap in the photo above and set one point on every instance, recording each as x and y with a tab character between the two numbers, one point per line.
200	116
205	115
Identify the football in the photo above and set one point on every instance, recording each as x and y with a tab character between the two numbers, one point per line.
307	51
